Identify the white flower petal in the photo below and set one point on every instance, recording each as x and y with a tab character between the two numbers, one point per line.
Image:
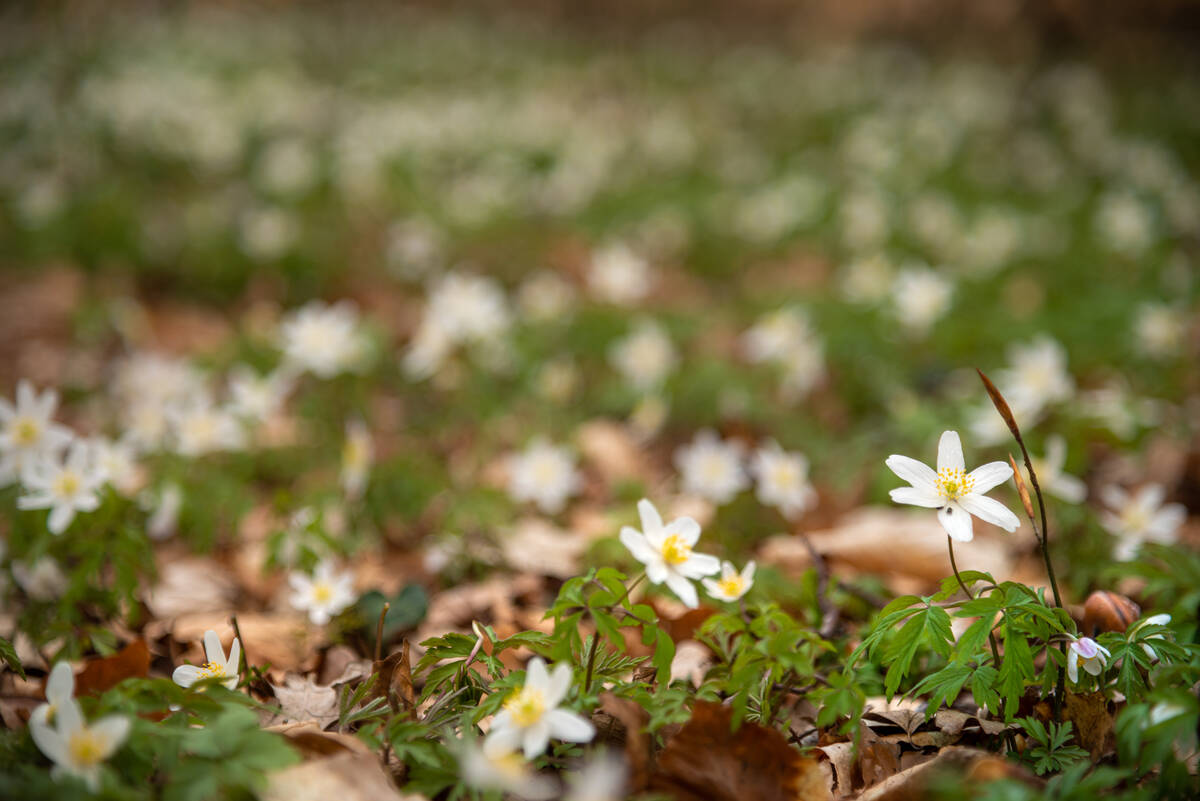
558	684
112	731
918	474
1073	666
957	522
186	675
990	510
917	497
566	725
637	544
61	684
657	571
699	564
685	528
212	648
60	517
501	740
950	452
651	520
684	589
988	476
535	738
536	676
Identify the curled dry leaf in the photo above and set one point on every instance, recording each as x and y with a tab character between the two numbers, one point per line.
314	743
346	777
302	699
1093	722
707	760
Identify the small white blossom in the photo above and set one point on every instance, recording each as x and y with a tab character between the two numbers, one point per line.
544	474
164	512
1139	518
256	398
1153	620
116	460
955	493
414	247
26	431
732	585
42	580
772	338
323	595
1037	376
60	692
65	486
921	298
267	233
545	296
462	309
200	428
287	166
75	747
1159	330
324	340
507	772
619	275
605	777
216	664
1051	476
533	715
358	452
645	357
1087	652
868	280
666	551
712	468
782	479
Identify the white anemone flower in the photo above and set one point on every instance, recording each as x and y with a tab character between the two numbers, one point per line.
921	297
955	493
533	714
256	398
1051	476
544	474
1037	375
619	275
323	595
60	691
64	486
27	432
1159	330
42	579
217	665
358	451
324	340
117	462
645	356
666	551
506	772
732	584
712	468
75	747
201	428
1153	620
782	479
604	777
1087	652
1138	518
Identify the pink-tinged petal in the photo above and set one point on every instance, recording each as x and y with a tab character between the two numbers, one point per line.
657	571
186	675
684	589
568	726
685	528
560	682
535	738
651	520
918	474
113	730
991	511
212	648
61	684
699	564
957	522
950	452
917	497
637	545
988	476
536	676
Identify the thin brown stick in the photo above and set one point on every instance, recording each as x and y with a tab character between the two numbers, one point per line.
829	611
379	631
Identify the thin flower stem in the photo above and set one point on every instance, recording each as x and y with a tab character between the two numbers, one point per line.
591	661
629	589
967	591
379	630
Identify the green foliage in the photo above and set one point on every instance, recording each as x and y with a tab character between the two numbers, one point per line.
1051	752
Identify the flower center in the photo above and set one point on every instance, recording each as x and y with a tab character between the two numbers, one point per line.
26	431
731	585
67	484
953	482
526	707
675	551
545	471
784	475
322	592
715	468
1134	518
211	670
86	748
509	765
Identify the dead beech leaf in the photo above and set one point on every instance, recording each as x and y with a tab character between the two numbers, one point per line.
536	546
284	640
611	449
312	742
132	661
708	761
1092	721
188	585
393	680
302	699
346	777
913	784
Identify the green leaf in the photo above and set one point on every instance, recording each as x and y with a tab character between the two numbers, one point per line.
664	653
9	654
408	608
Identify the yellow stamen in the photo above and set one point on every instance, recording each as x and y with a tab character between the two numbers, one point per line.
731	586
67	484
675	551
953	482
526	706
322	592
86	748
211	670
25	431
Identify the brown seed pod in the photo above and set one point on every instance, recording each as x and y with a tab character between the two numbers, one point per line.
1108	611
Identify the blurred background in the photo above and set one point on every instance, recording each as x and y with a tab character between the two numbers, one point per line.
831	211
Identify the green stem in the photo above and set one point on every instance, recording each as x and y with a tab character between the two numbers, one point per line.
591	661
966	590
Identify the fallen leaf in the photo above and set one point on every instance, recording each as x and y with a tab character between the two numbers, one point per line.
707	760
98	675
1092	721
393	680
189	585
346	777
536	546
622	722
914	784
312	742
302	699
286	641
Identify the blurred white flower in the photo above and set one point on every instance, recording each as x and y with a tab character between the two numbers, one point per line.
1124	223
1051	476
287	166
266	234
1037	375
324	594
1153	620
502	772
216	664
200	427
558	380
987	427
322	339
42	580
545	295
921	297
256	398
1159	330
867	280
64	484
26	431
1138	518
1086	652
645	357
155	380
75	747
533	715
544	474
164	512
732	585
414	247
782	479
358	452
864	218
604	777
955	493
666	551
619	275
648	416
462	309
712	468
60	692
117	462
776	335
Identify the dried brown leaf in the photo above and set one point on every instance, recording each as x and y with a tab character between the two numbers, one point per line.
301	699
132	661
